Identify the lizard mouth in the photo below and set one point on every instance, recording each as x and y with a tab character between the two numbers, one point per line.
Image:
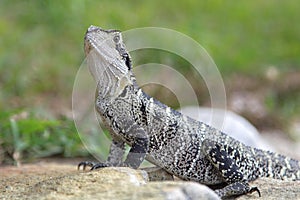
87	46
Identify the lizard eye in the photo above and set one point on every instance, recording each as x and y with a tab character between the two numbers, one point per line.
116	38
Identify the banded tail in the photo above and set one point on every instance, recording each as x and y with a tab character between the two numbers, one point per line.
277	166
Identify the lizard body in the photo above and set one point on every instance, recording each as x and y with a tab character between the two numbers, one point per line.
182	146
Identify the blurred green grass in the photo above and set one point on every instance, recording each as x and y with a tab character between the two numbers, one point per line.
41	42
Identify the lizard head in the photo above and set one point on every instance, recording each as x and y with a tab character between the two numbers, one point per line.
108	60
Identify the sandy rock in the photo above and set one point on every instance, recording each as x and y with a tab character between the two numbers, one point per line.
118	183
58	181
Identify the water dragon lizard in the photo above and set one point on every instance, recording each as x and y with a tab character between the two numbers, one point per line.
184	147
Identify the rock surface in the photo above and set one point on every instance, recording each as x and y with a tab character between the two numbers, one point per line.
63	181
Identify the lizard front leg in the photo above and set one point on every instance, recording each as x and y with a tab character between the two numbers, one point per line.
137	153
135	156
139	147
223	158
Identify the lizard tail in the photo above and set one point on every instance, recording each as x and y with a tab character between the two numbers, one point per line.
277	166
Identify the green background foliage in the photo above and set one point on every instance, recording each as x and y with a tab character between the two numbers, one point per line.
41	49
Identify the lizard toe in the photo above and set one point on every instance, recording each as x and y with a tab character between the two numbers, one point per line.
99	165
84	164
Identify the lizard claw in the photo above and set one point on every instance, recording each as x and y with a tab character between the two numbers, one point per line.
255	189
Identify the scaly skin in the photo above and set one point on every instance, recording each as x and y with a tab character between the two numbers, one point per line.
182	146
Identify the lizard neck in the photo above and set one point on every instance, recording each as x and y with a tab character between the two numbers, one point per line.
110	87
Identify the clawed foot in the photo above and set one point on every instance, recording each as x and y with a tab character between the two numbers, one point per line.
236	189
93	165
